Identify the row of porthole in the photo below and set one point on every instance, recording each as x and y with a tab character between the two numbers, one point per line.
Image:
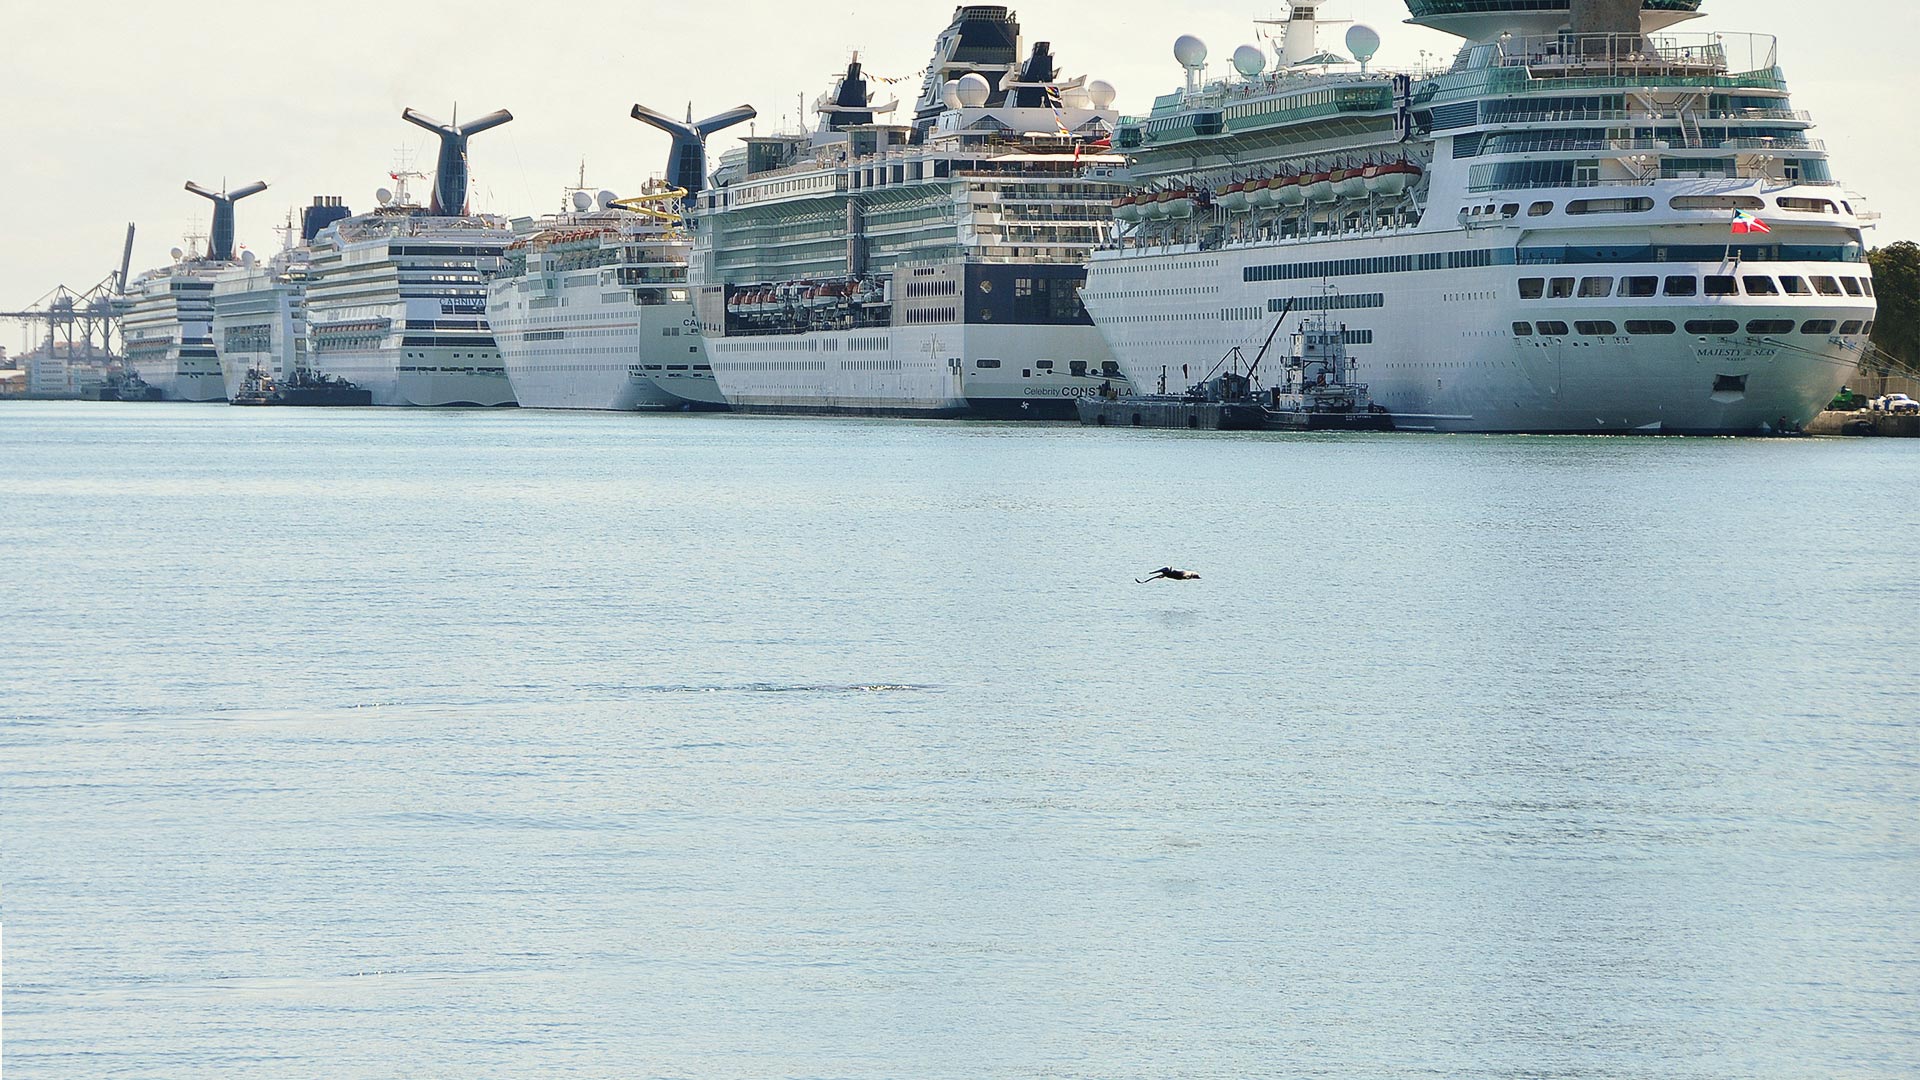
1698	327
1643	286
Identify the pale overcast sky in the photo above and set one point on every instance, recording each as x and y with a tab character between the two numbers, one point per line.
112	106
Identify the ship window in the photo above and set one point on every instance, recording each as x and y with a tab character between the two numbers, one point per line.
1521	329
1553	328
1532	288
1596	287
1850	327
1043	365
986	362
1638	205
1867	329
1560	288
1793	286
1598	328
1713	327
1721	285
1540	209
1076	367
1826	286
1510	210
1639	286
1760	286
1682	286
1770	326
1852	286
1817	326
1649	326
1867	284
1716	202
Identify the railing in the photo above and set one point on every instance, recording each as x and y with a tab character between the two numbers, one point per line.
1613	55
1578	116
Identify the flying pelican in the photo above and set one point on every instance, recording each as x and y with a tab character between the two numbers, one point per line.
1170	574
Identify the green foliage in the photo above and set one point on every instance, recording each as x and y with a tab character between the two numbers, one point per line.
1896	284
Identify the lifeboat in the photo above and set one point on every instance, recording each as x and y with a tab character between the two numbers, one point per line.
1151	208
1233	198
1349	183
1288	190
1178	204
1393	178
1258	194
1319	187
1126	209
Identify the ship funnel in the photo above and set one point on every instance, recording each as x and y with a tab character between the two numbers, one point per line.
687	161
450	174
1038	69
220	236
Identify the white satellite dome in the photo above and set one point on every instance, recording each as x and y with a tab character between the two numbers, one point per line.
176	253
1190	51
1102	93
973	89
582	202
605	199
1249	60
248	259
383	196
950	93
1076	97
1363	42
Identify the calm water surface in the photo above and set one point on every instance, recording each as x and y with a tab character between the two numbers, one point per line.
385	743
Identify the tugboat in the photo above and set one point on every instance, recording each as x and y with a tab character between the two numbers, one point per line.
1318	392
129	387
303	387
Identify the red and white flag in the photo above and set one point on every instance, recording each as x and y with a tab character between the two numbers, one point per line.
1744	223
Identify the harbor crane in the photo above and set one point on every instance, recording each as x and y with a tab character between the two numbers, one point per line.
85	322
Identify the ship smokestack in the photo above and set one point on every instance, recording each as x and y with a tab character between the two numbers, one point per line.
687	161
450	173
1618	18
220	236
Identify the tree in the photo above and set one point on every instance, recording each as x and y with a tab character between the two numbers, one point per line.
1896	284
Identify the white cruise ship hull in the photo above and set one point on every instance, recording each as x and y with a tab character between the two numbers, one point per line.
425	378
949	370
593	353
1440	350
186	379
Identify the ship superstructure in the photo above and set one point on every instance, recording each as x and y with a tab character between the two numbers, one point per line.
929	267
397	299
259	308
592	309
169	318
1585	225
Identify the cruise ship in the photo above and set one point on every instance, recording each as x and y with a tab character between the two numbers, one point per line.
926	267
1589	223
397	298
168	325
259	309
592	309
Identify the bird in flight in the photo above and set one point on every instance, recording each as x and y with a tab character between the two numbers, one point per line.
1170	574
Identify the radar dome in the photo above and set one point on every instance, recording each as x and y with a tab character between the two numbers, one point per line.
1190	51
176	253
1076	97
974	90
248	258
605	199
1249	61
582	202
1363	42
1102	93
383	196
950	93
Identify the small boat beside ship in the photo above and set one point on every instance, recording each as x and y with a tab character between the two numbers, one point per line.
1316	392
302	387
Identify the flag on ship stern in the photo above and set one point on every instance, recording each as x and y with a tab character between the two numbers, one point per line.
1744	222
